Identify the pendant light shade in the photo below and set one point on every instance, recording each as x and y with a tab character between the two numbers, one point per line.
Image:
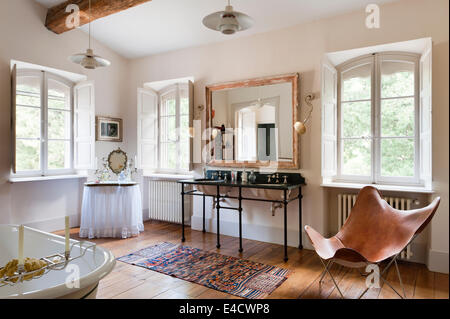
89	60
228	21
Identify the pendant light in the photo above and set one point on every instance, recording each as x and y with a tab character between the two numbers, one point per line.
228	21
89	60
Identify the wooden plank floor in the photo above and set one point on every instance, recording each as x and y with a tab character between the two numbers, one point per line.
127	281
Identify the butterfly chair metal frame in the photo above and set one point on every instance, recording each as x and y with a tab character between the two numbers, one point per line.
393	260
358	244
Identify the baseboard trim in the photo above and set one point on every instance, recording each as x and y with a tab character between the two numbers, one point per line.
438	261
54	224
254	232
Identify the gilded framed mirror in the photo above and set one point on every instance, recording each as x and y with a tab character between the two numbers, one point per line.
117	161
251	123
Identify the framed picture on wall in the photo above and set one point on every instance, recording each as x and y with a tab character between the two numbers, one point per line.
108	129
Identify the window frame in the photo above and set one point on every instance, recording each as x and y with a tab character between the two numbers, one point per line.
174	88
44	77
375	132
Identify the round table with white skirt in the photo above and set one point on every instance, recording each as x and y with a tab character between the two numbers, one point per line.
111	210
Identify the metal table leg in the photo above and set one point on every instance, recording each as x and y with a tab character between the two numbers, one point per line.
204	228
218	216
300	229
183	239
285	226
240	220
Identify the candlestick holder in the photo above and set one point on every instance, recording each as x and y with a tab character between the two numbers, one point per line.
55	262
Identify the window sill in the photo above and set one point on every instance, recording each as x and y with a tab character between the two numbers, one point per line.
171	177
14	180
393	188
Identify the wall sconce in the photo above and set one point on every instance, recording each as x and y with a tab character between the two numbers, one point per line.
300	127
214	133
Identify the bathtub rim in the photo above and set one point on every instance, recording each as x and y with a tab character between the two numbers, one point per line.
61	290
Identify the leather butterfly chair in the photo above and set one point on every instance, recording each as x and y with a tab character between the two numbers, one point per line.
373	232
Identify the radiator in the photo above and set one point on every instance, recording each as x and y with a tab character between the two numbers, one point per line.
165	202
346	202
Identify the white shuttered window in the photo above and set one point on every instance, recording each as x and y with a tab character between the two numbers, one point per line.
383	112
164	118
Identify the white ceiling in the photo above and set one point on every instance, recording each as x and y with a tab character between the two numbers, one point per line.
165	25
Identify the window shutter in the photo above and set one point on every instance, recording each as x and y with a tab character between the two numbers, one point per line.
13	118
147	133
84	125
329	120
426	117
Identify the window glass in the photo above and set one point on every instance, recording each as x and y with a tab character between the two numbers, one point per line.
356	83
168	155
397	79
28	123
58	124
393	137
397	117
58	154
356	119
397	157
356	157
30	137
174	139
58	95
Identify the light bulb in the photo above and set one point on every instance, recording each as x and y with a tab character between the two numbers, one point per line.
214	133
300	128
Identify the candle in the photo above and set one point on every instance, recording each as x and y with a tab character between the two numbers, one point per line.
67	231
21	245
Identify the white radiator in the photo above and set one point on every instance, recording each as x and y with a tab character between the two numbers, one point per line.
165	202
346	202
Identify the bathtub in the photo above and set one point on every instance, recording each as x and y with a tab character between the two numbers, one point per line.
93	266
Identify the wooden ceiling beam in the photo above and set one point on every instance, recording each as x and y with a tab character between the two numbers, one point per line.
57	15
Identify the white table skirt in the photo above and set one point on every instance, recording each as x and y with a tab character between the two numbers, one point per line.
111	211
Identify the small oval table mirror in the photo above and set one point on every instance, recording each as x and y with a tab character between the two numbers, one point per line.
117	161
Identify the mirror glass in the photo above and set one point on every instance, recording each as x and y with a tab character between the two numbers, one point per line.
117	161
253	123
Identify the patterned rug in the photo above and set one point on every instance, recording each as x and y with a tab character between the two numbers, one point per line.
239	277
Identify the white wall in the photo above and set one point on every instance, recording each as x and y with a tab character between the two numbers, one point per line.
24	37
300	49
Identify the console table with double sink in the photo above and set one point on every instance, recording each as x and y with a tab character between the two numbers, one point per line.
281	188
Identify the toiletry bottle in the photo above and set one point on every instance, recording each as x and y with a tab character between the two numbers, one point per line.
252	177
244	176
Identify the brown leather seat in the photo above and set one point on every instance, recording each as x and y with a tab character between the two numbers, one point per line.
373	232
